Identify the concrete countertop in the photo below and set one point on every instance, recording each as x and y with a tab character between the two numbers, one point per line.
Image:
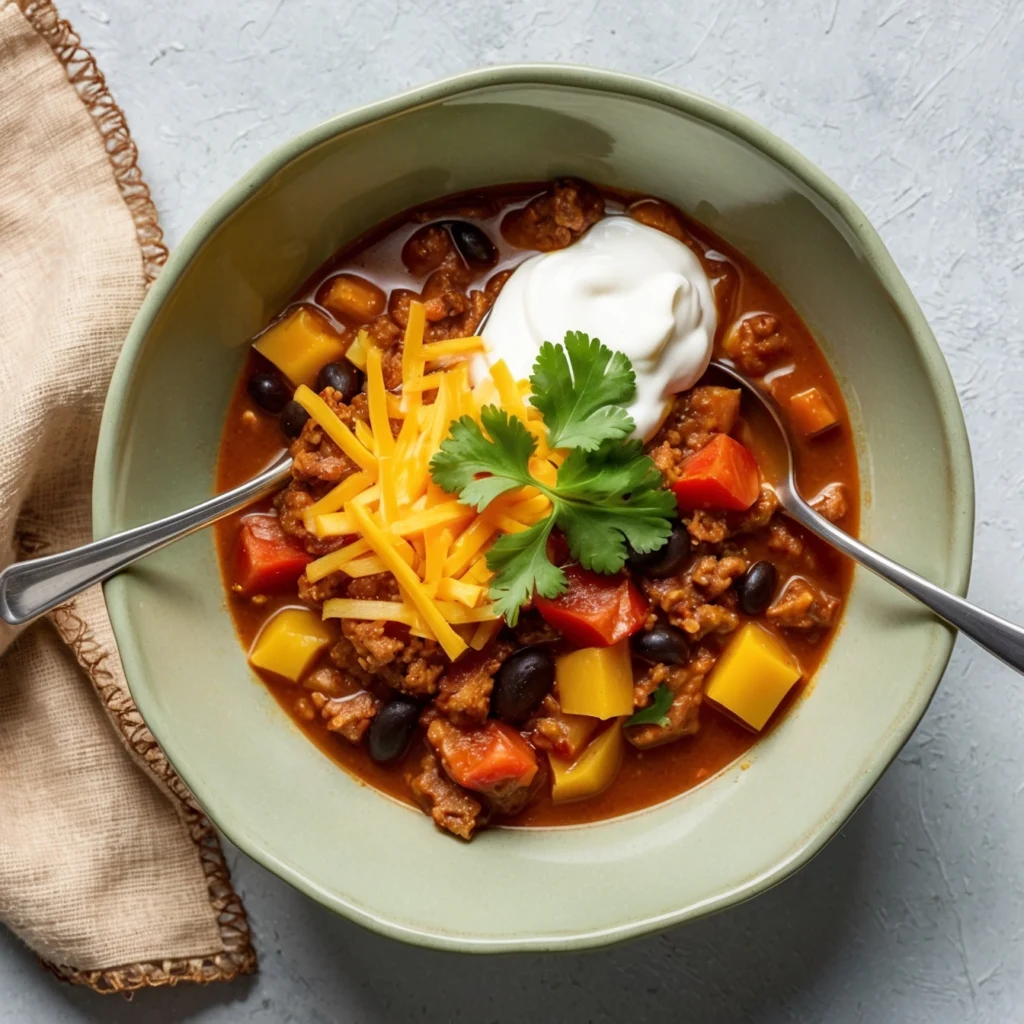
916	912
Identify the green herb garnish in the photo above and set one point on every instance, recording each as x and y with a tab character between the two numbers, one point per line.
607	491
656	713
580	388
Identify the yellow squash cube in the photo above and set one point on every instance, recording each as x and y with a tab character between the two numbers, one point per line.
300	345
592	772
290	642
754	673
596	681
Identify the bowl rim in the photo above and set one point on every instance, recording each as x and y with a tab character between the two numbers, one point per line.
591	79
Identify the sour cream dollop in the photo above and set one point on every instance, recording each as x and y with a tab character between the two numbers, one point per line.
639	290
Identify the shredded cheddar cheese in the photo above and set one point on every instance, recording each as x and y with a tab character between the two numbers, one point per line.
452	347
348	608
365	436
389	516
337	496
449	640
412	353
376	394
468	594
508	392
388	490
332	426
484	634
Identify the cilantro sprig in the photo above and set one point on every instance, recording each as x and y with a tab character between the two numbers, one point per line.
607	492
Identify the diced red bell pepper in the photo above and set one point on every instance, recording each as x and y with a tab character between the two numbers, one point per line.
722	475
492	758
596	610
266	558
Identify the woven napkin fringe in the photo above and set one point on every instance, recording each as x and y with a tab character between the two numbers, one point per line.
238	957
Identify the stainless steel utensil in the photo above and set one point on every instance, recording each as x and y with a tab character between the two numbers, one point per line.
30	588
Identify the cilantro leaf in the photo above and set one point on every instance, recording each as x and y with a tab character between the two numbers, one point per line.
616	475
597	536
580	388
609	497
503	454
656	713
520	564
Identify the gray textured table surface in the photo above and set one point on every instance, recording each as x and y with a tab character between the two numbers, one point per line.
916	107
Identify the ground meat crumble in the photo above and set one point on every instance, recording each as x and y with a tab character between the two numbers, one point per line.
348	716
451	807
803	605
550	729
687	685
694	419
554	219
315	457
371	651
688	599
832	503
757	343
464	693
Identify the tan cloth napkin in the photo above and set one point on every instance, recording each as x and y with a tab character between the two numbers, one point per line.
108	868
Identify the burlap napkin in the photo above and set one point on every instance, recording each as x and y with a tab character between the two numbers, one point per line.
108	868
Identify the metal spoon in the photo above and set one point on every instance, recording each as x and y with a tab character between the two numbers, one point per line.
30	588
999	637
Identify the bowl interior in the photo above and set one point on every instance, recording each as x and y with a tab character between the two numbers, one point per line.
262	782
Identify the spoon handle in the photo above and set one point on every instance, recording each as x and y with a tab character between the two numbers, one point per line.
30	588
998	636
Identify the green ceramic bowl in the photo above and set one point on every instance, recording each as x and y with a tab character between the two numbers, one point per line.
267	787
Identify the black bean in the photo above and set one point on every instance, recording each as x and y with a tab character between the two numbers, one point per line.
522	682
268	391
756	587
473	245
664	645
392	729
292	419
667	560
345	378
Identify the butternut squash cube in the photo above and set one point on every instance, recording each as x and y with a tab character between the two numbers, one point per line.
592	772
290	642
354	297
596	681
754	673
812	412
300	345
